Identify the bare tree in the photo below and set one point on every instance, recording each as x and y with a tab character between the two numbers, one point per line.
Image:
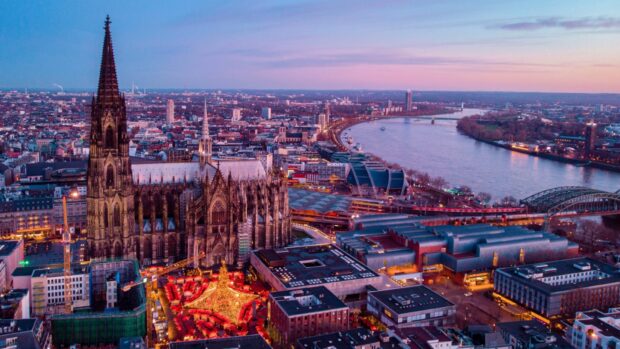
509	201
439	182
423	178
484	197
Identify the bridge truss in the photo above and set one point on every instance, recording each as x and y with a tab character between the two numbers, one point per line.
573	201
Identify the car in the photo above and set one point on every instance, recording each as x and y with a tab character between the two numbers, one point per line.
468	294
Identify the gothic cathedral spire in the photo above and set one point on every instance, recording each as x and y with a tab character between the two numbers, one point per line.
110	192
205	146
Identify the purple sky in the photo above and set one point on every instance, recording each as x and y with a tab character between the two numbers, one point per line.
520	45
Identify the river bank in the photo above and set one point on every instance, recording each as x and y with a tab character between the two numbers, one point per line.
576	162
337	129
440	150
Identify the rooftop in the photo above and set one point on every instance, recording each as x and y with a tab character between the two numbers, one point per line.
77	270
605	322
410	299
349	340
301	199
313	265
534	332
253	341
307	300
554	276
7	247
418	337
15	326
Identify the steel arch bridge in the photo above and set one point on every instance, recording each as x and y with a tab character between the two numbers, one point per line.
573	201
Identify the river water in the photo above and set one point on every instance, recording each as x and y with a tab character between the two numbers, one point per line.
441	150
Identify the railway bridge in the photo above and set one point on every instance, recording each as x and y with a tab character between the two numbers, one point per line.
573	201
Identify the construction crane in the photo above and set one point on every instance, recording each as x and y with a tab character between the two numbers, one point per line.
151	285
66	240
172	267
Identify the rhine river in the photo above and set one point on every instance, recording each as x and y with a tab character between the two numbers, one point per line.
440	150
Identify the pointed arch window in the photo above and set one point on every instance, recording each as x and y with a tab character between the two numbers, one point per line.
109	137
109	177
117	216
218	213
106	221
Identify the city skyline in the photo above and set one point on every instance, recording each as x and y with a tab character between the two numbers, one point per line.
480	46
261	214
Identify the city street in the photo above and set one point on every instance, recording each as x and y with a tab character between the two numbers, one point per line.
474	309
319	237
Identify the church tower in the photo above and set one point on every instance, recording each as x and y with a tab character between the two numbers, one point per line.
206	144
110	203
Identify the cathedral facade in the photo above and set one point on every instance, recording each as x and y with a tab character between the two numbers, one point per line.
162	212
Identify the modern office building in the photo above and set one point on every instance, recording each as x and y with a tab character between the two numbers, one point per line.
265	113
396	239
48	290
415	306
408	100
324	265
374	179
327	171
305	312
235	114
170	112
595	329
590	139
323	121
561	287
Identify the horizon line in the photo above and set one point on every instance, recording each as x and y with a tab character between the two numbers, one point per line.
205	89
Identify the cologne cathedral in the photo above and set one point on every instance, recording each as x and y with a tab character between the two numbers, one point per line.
161	212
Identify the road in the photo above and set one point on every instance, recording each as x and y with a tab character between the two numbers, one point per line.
319	237
474	309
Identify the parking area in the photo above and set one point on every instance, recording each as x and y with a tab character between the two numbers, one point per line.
473	307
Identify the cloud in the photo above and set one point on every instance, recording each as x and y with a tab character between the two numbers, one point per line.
384	57
595	23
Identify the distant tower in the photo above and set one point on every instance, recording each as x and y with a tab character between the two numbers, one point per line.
110	200
321	120
206	144
327	115
170	112
590	139
235	114
409	101
266	113
282	133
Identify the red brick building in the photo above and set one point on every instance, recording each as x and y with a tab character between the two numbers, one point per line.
305	312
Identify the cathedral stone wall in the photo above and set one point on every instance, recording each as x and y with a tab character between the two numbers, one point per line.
172	211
